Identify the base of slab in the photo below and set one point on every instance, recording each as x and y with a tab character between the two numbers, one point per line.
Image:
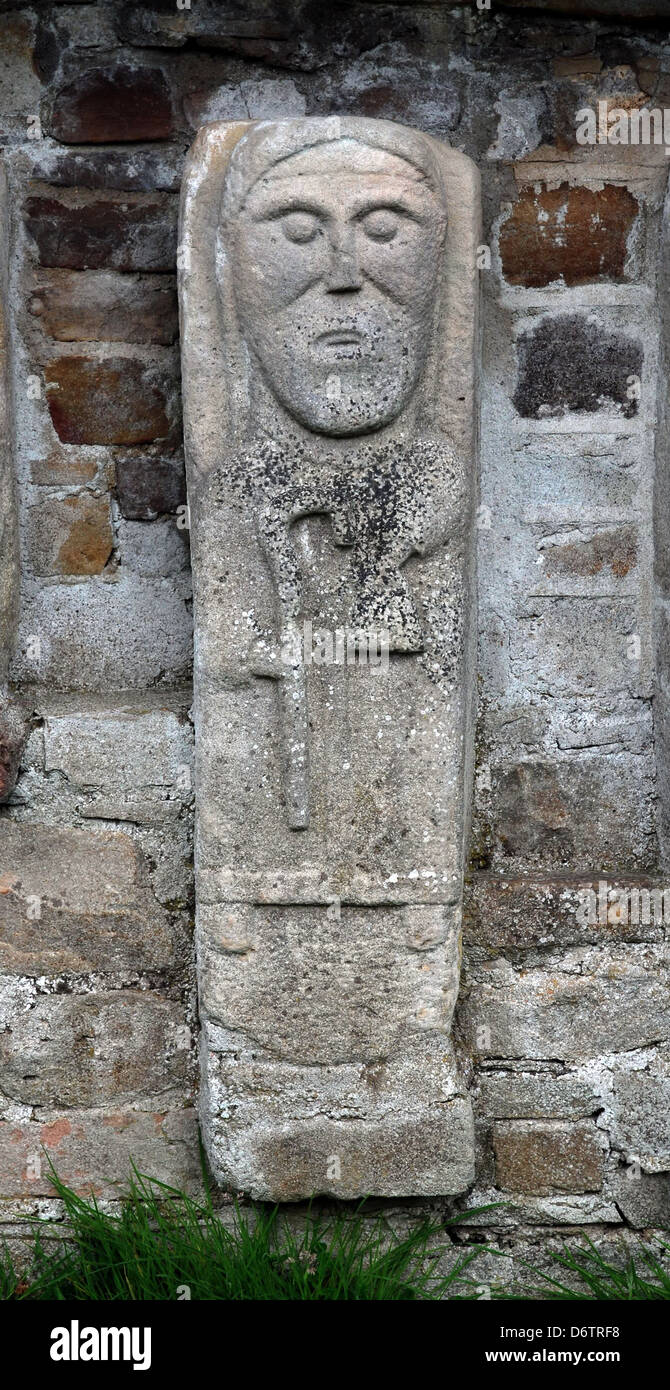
422	1155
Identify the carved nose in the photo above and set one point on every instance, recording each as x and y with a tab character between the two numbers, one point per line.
343	274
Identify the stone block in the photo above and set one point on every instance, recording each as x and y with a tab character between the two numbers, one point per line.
387	982
277	1128
570	362
643	1198
542	1158
149	484
76	231
106	634
20	87
110	400
66	465
579	646
93	1151
641	1111
120	750
558	1209
295	37
511	915
76	900
578	1006
159	549
70	535
111	104
105	306
570	813
521	1095
132	170
13	734
571	234
81	1050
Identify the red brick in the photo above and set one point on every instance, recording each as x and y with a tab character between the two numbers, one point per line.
113	104
110	401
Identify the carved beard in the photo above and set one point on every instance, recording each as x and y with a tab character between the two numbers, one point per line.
386	502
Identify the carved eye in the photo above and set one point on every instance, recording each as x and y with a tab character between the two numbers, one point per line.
300	226
381	224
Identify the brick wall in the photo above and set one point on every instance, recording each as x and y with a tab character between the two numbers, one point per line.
564	1022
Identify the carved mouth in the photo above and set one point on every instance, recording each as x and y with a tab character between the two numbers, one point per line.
344	346
340	337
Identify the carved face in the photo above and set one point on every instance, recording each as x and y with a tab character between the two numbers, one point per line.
335	260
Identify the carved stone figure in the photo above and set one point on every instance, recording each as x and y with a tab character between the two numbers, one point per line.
328	294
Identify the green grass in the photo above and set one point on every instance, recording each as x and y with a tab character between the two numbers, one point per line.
159	1243
592	1278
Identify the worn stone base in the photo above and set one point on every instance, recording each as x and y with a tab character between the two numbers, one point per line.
284	1133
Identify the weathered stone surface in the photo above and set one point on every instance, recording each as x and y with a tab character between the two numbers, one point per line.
13	726
149	484
13	732
609	551
558	1209
111	400
641	1106
70	535
93	1151
20	89
570	234
643	1198
535	1096
390	977
62	464
296	36
125	750
423	94
335	358
571	362
266	99
112	104
513	915
78	232
107	634
617	9
92	1049
578	646
580	1005
159	550
322	1128
9	577
135	170
105	306
540	1159
75	900
567	814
